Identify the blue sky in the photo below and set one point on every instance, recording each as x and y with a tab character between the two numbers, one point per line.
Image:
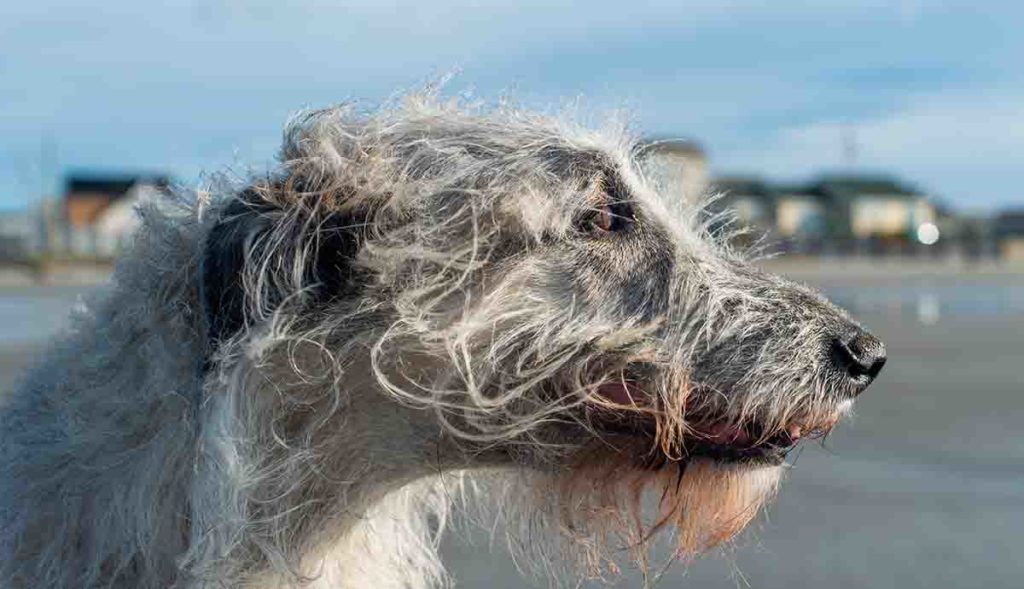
933	91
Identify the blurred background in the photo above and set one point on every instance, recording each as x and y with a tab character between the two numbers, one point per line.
875	144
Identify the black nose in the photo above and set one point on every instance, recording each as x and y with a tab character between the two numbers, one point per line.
861	356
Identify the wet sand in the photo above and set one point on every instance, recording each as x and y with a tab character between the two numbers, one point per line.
924	488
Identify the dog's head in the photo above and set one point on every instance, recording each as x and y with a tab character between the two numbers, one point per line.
525	282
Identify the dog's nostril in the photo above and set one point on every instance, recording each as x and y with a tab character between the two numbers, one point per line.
861	356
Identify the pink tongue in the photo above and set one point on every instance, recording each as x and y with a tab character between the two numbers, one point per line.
795	431
723	433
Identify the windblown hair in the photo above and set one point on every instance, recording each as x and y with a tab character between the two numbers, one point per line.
289	381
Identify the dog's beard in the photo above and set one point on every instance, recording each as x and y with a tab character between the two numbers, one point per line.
610	505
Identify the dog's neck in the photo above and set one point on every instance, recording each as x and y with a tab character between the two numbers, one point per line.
384	475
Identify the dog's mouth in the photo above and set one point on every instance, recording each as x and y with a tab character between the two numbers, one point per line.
748	441
705	434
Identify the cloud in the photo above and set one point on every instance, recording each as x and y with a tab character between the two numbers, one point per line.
194	85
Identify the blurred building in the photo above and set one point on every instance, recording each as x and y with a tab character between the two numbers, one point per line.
99	211
1009	232
800	214
751	201
866	207
833	213
17	235
679	164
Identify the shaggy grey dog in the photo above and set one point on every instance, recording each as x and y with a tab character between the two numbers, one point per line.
288	383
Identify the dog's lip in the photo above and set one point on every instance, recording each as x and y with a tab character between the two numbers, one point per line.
745	437
718	441
708	435
749	435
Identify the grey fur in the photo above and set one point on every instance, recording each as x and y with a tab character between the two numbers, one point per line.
287	384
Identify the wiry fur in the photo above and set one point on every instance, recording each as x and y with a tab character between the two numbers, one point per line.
289	384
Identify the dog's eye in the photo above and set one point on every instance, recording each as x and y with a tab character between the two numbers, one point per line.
609	211
611	217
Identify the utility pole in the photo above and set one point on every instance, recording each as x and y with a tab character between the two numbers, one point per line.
47	171
849	146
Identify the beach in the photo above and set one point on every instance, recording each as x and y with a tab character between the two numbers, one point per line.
923	488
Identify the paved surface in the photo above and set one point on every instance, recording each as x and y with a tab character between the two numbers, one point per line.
924	489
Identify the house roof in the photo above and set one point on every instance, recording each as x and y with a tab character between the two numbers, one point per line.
673	145
112	185
1010	223
794	190
744	186
852	186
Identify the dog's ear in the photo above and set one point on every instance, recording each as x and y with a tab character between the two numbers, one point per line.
265	249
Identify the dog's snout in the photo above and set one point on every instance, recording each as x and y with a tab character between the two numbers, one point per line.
860	356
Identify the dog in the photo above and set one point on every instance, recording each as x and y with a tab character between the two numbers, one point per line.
290	381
